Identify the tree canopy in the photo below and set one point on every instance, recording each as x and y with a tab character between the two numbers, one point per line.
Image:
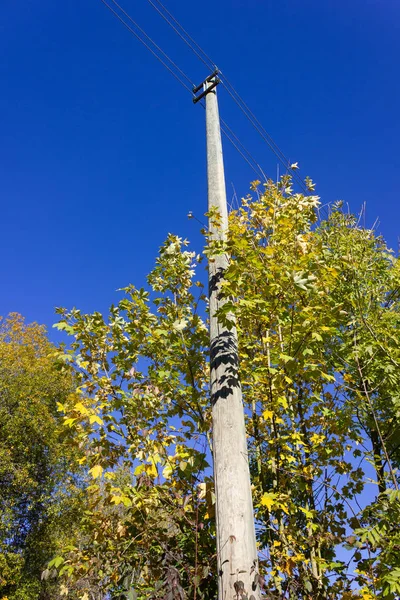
37	462
315	299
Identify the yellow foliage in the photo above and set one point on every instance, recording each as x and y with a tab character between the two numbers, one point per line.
139	469
96	471
167	471
151	470
79	407
317	438
268	500
95	419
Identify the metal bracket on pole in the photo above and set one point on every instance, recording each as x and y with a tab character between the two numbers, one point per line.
213	79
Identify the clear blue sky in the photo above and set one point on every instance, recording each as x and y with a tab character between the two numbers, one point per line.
102	153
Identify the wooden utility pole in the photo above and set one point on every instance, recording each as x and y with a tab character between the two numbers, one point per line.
236	542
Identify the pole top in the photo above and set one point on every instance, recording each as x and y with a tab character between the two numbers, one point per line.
213	79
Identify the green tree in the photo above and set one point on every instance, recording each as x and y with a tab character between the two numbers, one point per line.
37	484
317	310
316	304
140	416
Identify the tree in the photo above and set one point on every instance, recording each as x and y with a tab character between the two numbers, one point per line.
37	486
316	306
141	415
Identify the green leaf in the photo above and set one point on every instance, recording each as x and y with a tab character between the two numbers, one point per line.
56	562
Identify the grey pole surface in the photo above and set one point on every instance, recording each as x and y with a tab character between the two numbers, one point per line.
236	543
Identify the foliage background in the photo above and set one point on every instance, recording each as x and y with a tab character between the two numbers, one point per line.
317	315
78	138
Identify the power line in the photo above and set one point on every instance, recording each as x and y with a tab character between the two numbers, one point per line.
259	173
243	107
255	166
226	130
240	100
267	138
147	45
206	60
251	161
152	41
263	133
202	55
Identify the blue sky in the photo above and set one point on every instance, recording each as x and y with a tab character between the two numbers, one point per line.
102	153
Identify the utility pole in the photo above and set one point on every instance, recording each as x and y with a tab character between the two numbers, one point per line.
235	530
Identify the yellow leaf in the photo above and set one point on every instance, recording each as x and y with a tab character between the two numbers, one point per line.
283	402
366	594
283	507
93	488
95	419
155	458
151	470
268	500
126	501
202	490
317	438
308	513
81	408
268	414
167	471
299	557
116	499
139	469
96	471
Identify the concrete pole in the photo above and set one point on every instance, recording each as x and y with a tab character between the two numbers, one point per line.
236	542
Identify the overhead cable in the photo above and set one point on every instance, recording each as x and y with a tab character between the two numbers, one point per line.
224	126
153	42
251	161
201	54
193	45
147	45
263	133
